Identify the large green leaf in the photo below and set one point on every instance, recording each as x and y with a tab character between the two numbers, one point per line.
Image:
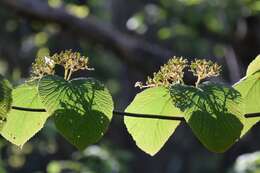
212	112
151	134
249	87
254	66
22	125
82	108
5	99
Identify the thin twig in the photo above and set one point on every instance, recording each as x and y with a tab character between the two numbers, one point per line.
28	109
115	112
252	115
148	116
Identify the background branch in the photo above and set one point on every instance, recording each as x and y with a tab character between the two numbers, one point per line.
135	52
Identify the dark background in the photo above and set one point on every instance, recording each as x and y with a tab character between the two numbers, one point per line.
126	40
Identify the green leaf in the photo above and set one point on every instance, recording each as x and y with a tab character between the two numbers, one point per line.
5	99
254	66
151	134
249	87
22	125
82	108
212	112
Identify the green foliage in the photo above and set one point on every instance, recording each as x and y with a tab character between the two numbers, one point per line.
212	112
82	108
188	27
151	134
249	88
22	125
5	99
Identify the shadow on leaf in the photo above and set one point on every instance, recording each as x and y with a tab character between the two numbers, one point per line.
5	100
212	112
80	111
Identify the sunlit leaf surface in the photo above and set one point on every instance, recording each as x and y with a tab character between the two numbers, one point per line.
249	87
151	134
254	66
22	125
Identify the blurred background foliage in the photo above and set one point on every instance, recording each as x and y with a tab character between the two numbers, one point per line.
126	40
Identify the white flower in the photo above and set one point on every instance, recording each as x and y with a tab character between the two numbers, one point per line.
48	61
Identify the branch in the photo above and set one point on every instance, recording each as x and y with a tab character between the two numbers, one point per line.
114	112
252	115
134	51
28	109
162	117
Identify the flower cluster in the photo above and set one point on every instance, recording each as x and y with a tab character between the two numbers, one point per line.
204	69
42	66
71	61
172	72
